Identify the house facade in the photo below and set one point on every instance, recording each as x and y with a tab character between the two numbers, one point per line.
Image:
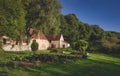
42	41
57	41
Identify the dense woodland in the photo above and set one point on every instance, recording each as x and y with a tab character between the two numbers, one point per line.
17	16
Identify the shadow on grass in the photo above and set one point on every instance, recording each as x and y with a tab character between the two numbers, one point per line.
82	67
95	65
4	73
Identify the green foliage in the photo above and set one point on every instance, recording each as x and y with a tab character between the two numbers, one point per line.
95	65
1	50
96	29
69	28
76	53
10	64
34	46
50	13
81	45
48	58
67	49
110	42
12	15
84	31
107	42
55	50
43	15
16	17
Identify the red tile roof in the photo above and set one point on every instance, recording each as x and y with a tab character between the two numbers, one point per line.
39	36
53	37
42	36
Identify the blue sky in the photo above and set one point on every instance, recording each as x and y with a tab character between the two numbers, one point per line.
105	13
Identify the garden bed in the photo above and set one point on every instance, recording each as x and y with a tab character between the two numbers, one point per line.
47	58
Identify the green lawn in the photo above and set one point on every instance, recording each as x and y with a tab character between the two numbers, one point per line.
94	65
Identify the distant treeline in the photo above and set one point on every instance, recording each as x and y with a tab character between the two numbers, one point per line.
17	16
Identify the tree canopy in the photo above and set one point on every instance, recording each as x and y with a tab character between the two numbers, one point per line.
12	18
17	16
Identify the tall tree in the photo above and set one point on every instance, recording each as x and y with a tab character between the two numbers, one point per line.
43	15
64	27
50	16
72	28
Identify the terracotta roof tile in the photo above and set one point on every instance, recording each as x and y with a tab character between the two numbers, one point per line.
53	37
42	36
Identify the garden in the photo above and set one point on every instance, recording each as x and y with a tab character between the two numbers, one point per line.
45	63
59	62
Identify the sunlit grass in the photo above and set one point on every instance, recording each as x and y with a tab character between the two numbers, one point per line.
105	58
94	65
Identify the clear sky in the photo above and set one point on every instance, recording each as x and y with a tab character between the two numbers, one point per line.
105	13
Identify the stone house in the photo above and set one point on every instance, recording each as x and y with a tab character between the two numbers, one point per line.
48	41
41	40
57	41
44	42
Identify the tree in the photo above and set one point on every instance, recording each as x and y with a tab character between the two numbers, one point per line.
12	16
82	46
84	31
72	28
32	8
64	29
32	18
110	41
97	32
43	15
50	16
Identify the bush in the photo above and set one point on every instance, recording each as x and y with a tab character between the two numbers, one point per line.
47	58
17	58
1	50
12	64
82	46
34	46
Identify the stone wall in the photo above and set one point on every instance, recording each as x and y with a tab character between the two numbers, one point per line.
16	47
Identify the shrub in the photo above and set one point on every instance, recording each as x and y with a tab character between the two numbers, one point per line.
47	58
12	64
1	50
34	46
17	58
81	46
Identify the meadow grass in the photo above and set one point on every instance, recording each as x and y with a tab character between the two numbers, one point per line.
94	65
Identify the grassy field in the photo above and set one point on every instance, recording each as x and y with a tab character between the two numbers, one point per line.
94	65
